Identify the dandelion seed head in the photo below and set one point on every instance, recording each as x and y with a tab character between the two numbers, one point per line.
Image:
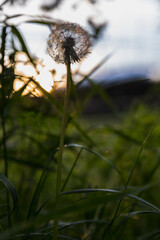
68	42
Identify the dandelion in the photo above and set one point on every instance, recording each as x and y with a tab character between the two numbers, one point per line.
68	42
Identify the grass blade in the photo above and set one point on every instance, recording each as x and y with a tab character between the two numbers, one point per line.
81	222
21	41
132	214
70	172
109	228
91	190
33	206
11	189
93	152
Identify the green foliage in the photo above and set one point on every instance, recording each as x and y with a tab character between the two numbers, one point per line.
110	164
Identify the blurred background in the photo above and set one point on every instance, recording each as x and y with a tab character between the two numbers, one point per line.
112	127
129	30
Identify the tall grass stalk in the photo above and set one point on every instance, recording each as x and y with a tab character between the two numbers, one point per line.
2	113
62	135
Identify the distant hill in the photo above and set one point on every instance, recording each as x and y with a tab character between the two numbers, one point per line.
121	95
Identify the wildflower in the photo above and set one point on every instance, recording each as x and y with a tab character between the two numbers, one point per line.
68	43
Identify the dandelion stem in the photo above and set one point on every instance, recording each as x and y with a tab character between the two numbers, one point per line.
59	163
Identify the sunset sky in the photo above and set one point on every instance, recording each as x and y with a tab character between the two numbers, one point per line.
132	34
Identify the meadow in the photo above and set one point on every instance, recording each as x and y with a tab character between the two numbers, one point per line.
110	170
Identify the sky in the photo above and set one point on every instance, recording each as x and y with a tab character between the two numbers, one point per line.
132	34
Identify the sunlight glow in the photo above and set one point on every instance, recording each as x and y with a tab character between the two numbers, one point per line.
50	64
26	70
45	79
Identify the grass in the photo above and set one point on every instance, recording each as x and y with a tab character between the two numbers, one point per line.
84	167
110	170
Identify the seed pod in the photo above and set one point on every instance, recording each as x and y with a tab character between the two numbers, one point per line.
68	42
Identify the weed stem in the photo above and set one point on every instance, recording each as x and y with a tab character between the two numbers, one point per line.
62	134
